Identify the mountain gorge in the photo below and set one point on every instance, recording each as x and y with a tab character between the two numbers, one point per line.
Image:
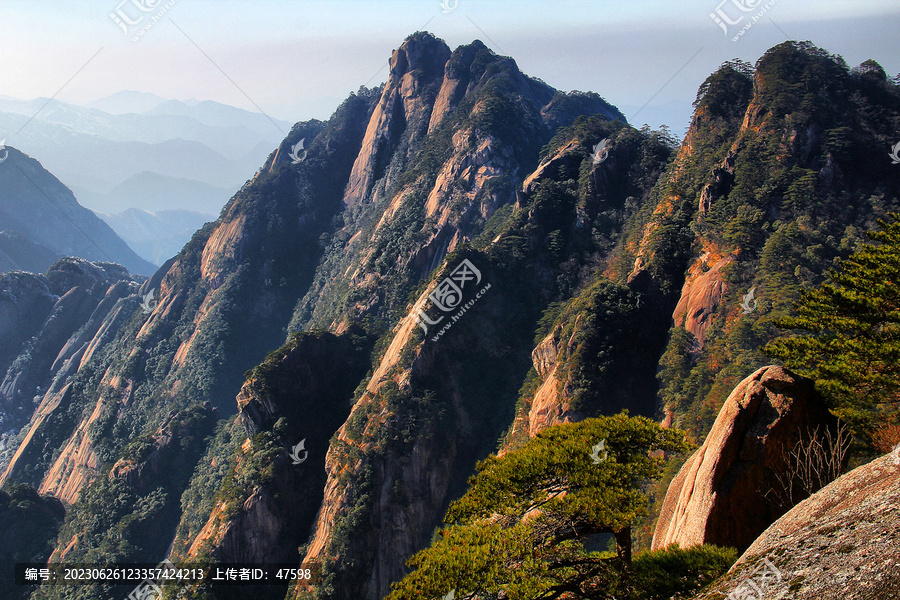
458	261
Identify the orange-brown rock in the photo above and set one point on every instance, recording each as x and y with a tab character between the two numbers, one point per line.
719	496
700	298
552	403
840	543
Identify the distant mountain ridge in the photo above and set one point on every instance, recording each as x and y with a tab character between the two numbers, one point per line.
19	252
93	151
158	236
36	205
153	192
126	101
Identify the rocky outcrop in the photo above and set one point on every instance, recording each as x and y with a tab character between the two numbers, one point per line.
405	106
562	164
164	453
300	394
701	296
721	184
447	145
78	462
406	492
90	310
838	544
25	302
552	402
46	321
719	496
253	535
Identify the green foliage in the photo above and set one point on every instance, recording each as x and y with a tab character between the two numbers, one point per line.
598	328
675	369
407	415
526	523
198	499
670	245
132	518
782	200
548	319
28	527
677	573
251	467
727	87
852	345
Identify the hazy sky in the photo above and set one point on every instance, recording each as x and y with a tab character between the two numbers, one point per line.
297	59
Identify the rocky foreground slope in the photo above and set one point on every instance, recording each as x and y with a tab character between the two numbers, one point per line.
843	542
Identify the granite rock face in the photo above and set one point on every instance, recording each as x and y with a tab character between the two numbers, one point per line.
719	496
841	542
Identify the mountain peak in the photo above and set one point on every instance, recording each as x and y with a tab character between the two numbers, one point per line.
422	52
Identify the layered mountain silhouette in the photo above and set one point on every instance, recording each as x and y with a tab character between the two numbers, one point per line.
157	235
445	274
36	208
165	154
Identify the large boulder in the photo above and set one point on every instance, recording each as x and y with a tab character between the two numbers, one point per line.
723	493
840	543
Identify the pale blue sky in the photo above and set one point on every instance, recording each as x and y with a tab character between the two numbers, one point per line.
297	59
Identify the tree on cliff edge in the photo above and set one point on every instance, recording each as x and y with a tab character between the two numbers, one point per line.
852	345
529	525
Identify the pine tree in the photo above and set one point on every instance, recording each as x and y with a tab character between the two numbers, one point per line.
528	526
851	347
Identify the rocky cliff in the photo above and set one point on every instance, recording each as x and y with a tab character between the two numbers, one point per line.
839	543
769	189
47	325
425	416
289	408
450	137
